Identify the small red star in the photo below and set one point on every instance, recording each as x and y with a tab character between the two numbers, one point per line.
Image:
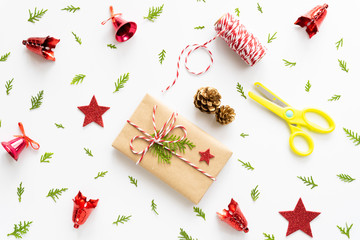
205	156
299	219
93	112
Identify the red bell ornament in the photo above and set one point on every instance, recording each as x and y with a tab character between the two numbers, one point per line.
42	46
124	30
14	147
313	19
82	209
234	217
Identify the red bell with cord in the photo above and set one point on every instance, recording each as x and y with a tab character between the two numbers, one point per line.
82	209
124	29
313	19
42	46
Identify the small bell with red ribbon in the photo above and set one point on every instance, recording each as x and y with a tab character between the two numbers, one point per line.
313	19
82	209
234	217
14	147
42	46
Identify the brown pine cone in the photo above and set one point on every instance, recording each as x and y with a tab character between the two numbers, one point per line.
207	99
225	114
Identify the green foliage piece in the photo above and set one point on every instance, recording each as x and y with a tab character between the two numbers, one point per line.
240	90
77	38
20	191
199	27
237	12
112	46
255	193
71	8
4	57
345	178
47	155
121	82
0	123
55	193
185	236
246	165
269	237
334	98
243	135
339	44
36	15
78	79
345	231
353	136
37	101
20	229
270	39
133	180
122	220
162	56
287	63
308	181
199	212
154	13
259	8
342	64
307	86
59	125
154	207
101	174
9	86
201	0
88	152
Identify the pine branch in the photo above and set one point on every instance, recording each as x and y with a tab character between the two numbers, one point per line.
269	237
259	8
199	212
287	63
185	236
59	125
345	231
199	27
121	82
334	98
353	136
20	229
162	56
154	13
154	207
345	178
270	39
339	44
201	0
46	156
112	46
255	193
243	135
71	8
9	86
77	38
240	90
247	165
36	15
0	123
55	193
342	64
37	101
4	57
78	79
88	152
101	174
307	86
309	181
237	12
122	220
133	180
20	191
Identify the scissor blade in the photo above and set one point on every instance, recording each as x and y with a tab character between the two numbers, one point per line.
269	105
270	95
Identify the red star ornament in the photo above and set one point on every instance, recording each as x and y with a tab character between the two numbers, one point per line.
299	219
205	156
93	112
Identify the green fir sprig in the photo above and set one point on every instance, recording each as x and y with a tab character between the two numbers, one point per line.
20	229
345	230
199	212
247	165
37	100
237	12
334	98
59	125
154	207
271	38
240	89
79	78
162	56
20	191
77	38
154	13
88	152
353	136
345	178
289	64
309	181
101	174
342	65
185	236
339	44
269	237
123	219
121	82
255	193
71	8
4	57
199	27
36	15
112	46
244	135
0	123
9	86
201	0
133	181
55	193
44	158
259	8
307	86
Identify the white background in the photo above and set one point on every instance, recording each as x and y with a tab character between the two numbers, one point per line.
267	148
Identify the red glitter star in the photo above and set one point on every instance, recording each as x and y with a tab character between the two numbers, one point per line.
93	112
205	156
299	219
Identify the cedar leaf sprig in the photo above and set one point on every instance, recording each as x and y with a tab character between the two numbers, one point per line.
44	158
37	101
4	57
199	212
20	229
270	39
20	191
101	174
339	44
36	15
201	0
79	78
259	8
353	136
345	231
237	12
247	165
287	63
199	27
269	237
88	152
255	193
71	8
77	38
9	86
342	65
59	125
154	207
122	219
121	82
307	86
154	13
185	236
162	56
240	89
334	98
345	178
55	193
112	46
133	180
243	135
309	181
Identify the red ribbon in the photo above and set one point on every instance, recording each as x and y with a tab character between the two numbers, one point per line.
28	140
112	15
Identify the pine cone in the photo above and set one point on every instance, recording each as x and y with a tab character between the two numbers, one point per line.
207	99
225	114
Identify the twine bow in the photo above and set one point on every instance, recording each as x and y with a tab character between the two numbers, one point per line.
112	15
28	140
158	138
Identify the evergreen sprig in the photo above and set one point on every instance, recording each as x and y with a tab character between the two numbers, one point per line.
4	57
77	38
240	89
270	39
162	56
154	207
37	100
339	44
112	46
9	86
199	212
122	219
247	165
20	191
79	78
199	27
71	8
237	12
55	193
154	13
259	8
59	125
255	193
0	123
47	155
88	152
20	229
121	82
201	0
287	63
345	230
353	136
269	237
36	15
185	236
243	135
345	178
342	65
133	180
307	86
334	98
309	181
101	174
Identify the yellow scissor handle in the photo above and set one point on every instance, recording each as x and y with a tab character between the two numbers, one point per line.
315	127
297	132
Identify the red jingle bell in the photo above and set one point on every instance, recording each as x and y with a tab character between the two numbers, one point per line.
42	46
82	209
313	19
124	29
234	217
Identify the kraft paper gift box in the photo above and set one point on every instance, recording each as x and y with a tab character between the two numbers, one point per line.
178	174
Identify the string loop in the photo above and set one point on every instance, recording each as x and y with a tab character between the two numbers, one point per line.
28	140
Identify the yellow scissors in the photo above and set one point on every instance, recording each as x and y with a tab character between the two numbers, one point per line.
294	118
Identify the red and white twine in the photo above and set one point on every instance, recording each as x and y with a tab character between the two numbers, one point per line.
158	139
245	44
